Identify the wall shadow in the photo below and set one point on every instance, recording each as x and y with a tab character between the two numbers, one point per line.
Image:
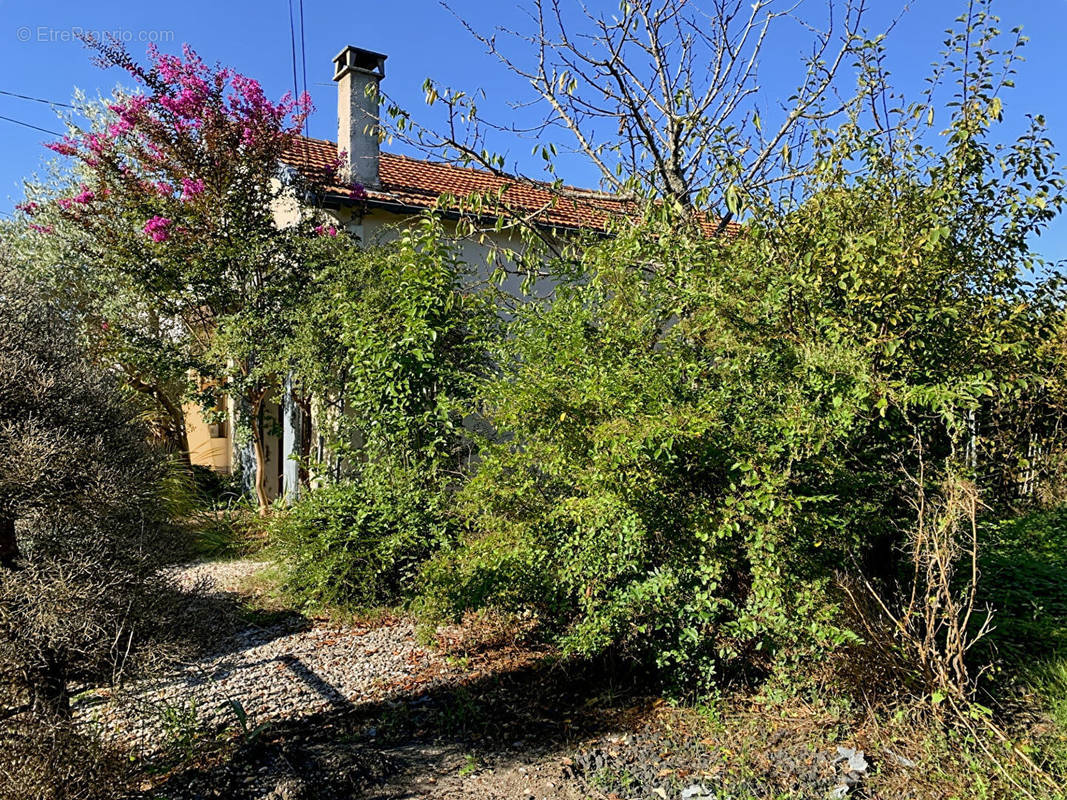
355	749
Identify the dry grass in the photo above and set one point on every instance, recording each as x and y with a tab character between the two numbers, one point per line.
57	761
912	753
483	631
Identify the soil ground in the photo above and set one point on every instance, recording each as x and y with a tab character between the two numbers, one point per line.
277	706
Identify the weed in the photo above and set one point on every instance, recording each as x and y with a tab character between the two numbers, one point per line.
180	724
613	781
230	531
461	712
246	724
395	721
471	765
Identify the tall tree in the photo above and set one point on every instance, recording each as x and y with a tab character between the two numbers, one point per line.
666	98
118	323
180	192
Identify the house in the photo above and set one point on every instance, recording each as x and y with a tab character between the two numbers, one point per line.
397	188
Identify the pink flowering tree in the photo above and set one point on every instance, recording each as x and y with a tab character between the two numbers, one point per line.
175	198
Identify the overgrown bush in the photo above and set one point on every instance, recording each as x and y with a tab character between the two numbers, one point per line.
85	502
1024	577
498	570
695	437
214	489
360	541
82	509
394	341
642	497
46	760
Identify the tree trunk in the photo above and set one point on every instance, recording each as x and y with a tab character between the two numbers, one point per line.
177	425
50	695
260	452
304	404
182	443
9	546
175	413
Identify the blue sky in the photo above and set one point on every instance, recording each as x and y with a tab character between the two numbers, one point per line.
40	57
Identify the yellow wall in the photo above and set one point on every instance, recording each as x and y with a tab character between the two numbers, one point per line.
378	226
205	449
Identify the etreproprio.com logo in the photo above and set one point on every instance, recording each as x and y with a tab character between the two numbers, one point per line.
46	34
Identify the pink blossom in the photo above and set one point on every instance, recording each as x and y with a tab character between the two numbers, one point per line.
29	207
191	187
300	109
248	103
358	192
130	111
65	203
163	188
41	228
86	196
117	129
96	142
158	228
334	164
322	230
65	147
248	99
187	71
188	103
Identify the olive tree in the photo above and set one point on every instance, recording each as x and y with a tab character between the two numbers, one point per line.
81	508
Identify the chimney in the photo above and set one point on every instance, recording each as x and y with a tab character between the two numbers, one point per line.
356	71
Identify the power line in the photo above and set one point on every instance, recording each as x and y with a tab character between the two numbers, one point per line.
28	125
35	99
304	59
292	44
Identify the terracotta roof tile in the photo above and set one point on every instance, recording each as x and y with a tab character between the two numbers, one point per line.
417	184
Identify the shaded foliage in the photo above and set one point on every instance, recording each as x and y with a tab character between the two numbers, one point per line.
47	761
82	506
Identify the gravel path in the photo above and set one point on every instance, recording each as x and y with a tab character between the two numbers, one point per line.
216	577
314	682
280	672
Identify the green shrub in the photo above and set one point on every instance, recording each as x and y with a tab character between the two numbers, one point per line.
396	337
214	489
696	436
494	571
229	532
643	494
1024	580
359	542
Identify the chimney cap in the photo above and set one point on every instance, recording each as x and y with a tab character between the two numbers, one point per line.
356	59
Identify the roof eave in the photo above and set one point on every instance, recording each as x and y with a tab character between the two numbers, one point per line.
338	201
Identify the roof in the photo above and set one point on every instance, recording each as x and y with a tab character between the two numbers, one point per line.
416	184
